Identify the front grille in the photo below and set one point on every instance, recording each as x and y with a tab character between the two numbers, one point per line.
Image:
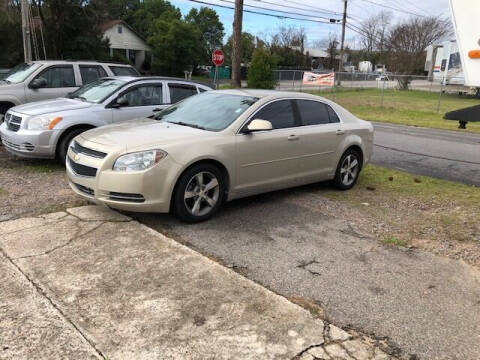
79	149
82	170
19	147
13	122
84	189
136	198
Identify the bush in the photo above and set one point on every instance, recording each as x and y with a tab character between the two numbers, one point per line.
260	74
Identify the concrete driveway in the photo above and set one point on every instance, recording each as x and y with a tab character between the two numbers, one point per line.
298	244
90	283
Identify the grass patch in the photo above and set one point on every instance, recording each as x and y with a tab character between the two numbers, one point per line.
413	207
414	107
393	240
41	167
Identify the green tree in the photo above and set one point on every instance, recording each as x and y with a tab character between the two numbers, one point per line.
248	46
207	22
174	44
260	74
11	39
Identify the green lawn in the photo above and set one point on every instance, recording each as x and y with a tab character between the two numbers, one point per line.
415	108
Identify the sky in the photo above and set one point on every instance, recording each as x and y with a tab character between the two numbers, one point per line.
319	10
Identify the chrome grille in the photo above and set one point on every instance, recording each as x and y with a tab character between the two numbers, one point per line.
18	147
13	122
82	170
137	198
79	149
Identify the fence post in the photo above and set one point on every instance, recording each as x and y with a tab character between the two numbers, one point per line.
440	96
383	91
293	80
301	81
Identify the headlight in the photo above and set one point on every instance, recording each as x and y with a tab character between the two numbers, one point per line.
43	122
138	161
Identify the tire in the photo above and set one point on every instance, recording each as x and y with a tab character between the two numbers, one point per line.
199	193
348	170
62	147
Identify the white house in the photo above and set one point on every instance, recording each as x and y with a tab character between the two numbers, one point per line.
126	40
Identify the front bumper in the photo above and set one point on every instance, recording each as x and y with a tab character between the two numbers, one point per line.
29	143
140	191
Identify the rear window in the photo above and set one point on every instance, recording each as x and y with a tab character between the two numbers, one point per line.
313	112
178	92
123	70
91	73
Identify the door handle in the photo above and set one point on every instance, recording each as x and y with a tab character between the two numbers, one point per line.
340	132
293	137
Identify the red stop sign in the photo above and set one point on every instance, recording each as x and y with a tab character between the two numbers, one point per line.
218	57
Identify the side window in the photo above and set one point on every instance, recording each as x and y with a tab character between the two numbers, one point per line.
91	72
58	77
179	92
123	71
313	112
145	95
333	115
201	90
280	114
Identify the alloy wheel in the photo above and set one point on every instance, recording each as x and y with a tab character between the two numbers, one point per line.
349	170
202	193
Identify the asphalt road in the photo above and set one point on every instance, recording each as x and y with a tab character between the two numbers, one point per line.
448	155
425	305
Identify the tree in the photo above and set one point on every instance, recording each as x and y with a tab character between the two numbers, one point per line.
248	46
207	22
288	44
407	41
10	38
260	74
174	44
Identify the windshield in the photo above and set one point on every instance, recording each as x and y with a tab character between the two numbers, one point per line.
97	91
208	111
20	72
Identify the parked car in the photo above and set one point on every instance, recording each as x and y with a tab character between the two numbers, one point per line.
217	146
382	78
44	129
41	80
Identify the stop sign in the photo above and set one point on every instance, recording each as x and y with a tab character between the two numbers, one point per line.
217	57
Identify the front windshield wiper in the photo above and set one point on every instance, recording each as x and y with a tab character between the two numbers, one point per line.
186	124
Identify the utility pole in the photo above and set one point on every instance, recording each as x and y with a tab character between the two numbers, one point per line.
237	45
342	46
27	45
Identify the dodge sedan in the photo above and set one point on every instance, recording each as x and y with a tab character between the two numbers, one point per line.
219	146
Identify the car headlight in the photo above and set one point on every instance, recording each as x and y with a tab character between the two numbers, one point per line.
43	122
139	161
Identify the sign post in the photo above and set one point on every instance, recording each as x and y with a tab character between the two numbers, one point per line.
217	58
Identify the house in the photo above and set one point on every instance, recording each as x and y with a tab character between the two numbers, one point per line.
126	41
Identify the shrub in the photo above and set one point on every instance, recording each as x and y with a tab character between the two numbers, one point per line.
260	74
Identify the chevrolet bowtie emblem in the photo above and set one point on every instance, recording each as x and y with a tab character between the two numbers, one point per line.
76	158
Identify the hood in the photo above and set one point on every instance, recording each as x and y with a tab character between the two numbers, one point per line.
51	106
142	134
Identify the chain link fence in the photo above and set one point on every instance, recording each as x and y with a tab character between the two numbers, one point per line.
385	84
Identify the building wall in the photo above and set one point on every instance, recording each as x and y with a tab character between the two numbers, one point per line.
127	39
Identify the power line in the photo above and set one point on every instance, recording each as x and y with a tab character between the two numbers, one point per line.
315	8
394	8
298	8
262	13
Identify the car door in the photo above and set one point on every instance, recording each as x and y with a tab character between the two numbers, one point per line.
178	91
319	136
59	81
142	101
268	160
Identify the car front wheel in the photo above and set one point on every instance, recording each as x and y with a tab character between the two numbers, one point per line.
199	193
348	170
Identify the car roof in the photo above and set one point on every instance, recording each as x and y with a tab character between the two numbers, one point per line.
273	94
79	61
131	78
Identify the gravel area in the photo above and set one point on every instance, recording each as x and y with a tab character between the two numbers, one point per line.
32	187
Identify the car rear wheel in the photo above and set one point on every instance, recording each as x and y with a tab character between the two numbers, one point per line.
199	193
348	170
64	144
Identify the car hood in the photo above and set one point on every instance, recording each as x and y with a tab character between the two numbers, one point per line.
51	106
142	134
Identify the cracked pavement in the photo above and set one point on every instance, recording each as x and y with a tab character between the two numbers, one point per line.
91	283
422	305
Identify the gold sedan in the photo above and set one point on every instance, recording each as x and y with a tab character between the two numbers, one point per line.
219	146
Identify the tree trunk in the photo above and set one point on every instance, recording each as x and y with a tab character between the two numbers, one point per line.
237	43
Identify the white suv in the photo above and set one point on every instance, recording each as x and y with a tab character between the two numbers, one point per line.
41	80
45	129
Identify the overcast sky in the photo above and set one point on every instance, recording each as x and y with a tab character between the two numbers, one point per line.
322	10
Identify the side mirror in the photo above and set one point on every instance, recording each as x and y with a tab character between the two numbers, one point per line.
38	83
259	125
120	102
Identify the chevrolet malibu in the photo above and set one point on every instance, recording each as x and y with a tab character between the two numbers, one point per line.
219	146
